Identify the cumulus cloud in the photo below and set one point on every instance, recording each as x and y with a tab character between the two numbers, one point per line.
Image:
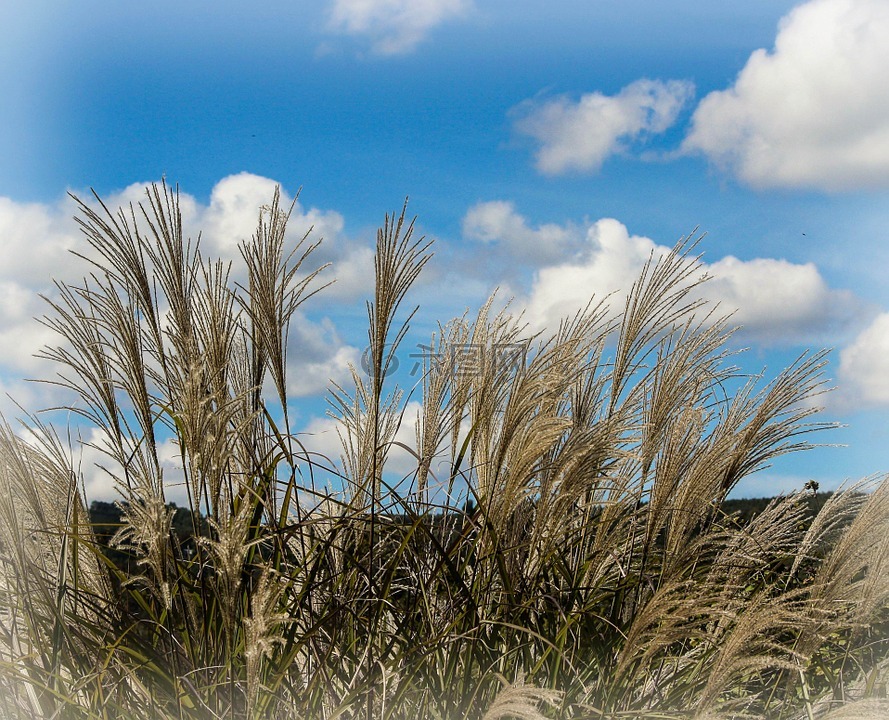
103	478
320	436
87	453
21	336
393	26
779	301
317	355
35	240
580	136
497	223
864	367
231	216
775	301
611	264
813	111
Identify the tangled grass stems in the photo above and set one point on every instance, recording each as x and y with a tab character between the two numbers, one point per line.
559	550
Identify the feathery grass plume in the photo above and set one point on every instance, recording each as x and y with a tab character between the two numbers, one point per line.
847	639
437	418
828	525
518	701
752	644
262	634
48	572
856	572
559	548
656	302
145	531
275	290
370	418
869	709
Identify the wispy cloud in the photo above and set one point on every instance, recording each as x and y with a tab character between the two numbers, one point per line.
812	112
581	135
393	26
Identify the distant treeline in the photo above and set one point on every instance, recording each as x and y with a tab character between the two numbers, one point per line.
745	509
106	519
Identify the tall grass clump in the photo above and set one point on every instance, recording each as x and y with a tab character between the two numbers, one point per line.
559	549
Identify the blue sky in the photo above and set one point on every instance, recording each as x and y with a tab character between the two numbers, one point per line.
543	145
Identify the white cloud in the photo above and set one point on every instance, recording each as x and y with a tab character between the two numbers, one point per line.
610	265
317	355
21	335
580	135
351	270
812	112
779	301
393	26
35	240
103	478
231	215
497	222
864	368
320	437
776	301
